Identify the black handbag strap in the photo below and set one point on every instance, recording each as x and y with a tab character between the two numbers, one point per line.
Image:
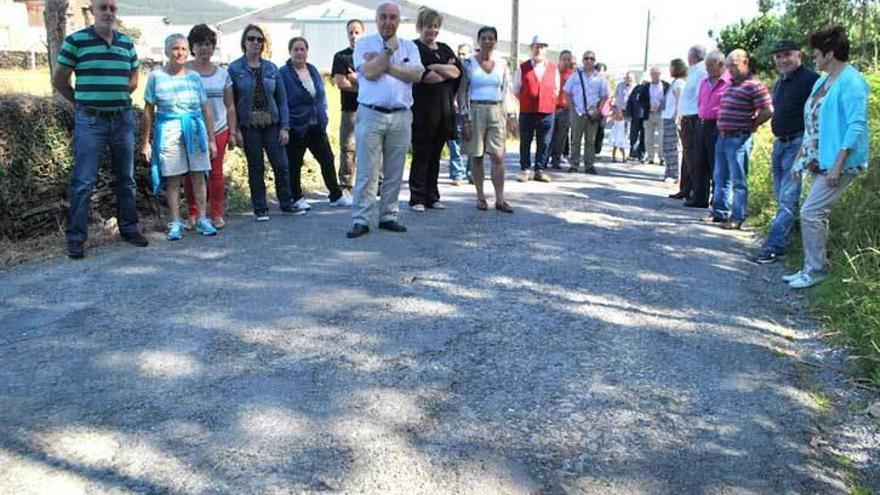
583	90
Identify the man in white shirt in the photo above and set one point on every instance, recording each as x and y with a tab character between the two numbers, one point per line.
587	91
687	108
387	67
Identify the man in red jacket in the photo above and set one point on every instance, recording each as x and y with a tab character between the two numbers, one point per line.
536	84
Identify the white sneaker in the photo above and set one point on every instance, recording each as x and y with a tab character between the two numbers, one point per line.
792	276
806	280
419	208
301	206
344	201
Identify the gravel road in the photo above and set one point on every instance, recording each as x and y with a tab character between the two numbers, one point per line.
599	340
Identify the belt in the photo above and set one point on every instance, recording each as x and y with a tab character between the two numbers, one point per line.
98	112
484	102
383	109
735	133
789	137
707	121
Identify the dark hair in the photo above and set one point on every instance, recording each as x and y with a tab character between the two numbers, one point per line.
254	27
487	29
427	16
201	33
834	40
294	40
564	52
353	21
679	68
600	67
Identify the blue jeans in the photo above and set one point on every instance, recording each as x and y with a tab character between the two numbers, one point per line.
92	136
731	177
537	126
457	167
255	141
788	194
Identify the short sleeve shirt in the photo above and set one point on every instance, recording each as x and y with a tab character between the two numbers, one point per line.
175	94
102	70
215	86
386	91
343	65
741	102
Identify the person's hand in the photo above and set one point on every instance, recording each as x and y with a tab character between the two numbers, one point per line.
833	177
231	142
212	149
393	43
466	131
239	138
512	126
283	137
370	56
147	152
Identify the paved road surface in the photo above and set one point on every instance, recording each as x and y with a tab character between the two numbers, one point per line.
599	340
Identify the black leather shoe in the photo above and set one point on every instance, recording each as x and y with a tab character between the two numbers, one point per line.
136	238
76	250
357	230
591	171
392	225
678	195
694	204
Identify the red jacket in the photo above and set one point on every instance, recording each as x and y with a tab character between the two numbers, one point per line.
537	96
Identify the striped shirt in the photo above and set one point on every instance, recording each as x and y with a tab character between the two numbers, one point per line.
175	95
741	102
102	70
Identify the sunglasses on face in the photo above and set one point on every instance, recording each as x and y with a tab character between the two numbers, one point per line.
255	39
589	58
107	8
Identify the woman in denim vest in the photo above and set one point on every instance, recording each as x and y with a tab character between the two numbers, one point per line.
307	103
263	119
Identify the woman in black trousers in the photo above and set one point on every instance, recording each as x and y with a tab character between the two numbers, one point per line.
433	111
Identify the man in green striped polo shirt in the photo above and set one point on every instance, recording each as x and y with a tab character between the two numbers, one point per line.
106	68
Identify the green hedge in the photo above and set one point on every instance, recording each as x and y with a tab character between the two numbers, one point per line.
849	301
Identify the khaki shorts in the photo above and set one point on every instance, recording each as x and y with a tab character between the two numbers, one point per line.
488	131
174	157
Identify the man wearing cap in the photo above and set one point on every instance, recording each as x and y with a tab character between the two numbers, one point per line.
789	97
536	85
387	67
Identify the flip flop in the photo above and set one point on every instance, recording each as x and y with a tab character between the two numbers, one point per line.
506	208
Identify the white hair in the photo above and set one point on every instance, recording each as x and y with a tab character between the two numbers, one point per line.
715	57
698	52
172	39
388	4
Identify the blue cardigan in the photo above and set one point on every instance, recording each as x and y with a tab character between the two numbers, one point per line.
843	120
304	108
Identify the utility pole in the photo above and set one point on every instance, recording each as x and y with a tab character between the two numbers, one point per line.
514	33
647	42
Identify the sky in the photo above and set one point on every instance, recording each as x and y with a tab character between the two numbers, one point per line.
614	29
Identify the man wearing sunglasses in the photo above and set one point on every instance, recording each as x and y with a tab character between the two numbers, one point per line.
106	67
587	91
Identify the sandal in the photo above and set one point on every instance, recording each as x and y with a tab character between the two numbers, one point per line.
482	205
506	208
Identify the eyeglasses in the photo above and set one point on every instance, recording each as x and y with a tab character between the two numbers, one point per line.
589	58
255	39
107	8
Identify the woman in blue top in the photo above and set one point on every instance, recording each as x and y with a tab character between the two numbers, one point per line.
834	149
183	137
263	120
307	105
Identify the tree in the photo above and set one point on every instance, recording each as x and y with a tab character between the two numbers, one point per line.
756	36
55	17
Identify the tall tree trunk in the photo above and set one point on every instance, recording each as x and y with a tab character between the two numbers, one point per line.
55	16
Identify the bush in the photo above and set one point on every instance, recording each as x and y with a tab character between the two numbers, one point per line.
850	300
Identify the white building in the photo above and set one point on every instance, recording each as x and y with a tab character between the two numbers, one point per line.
322	22
21	26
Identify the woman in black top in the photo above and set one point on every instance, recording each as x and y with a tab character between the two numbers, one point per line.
433	111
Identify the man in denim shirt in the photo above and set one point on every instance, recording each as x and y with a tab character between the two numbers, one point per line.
103	120
789	96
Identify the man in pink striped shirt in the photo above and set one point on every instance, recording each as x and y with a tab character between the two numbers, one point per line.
745	105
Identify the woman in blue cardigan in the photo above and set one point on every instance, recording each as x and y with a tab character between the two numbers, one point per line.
835	146
307	102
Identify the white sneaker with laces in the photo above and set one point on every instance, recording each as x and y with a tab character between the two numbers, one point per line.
806	280
343	202
792	276
419	208
302	206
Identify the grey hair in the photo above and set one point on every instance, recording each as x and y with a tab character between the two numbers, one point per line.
172	39
389	4
715	57
698	52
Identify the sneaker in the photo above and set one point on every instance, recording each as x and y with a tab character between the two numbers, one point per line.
175	231
437	205
524	176
765	257
792	276
806	280
301	206
542	177
262	215
344	201
204	227
418	208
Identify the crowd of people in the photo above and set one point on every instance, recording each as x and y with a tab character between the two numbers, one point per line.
398	94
